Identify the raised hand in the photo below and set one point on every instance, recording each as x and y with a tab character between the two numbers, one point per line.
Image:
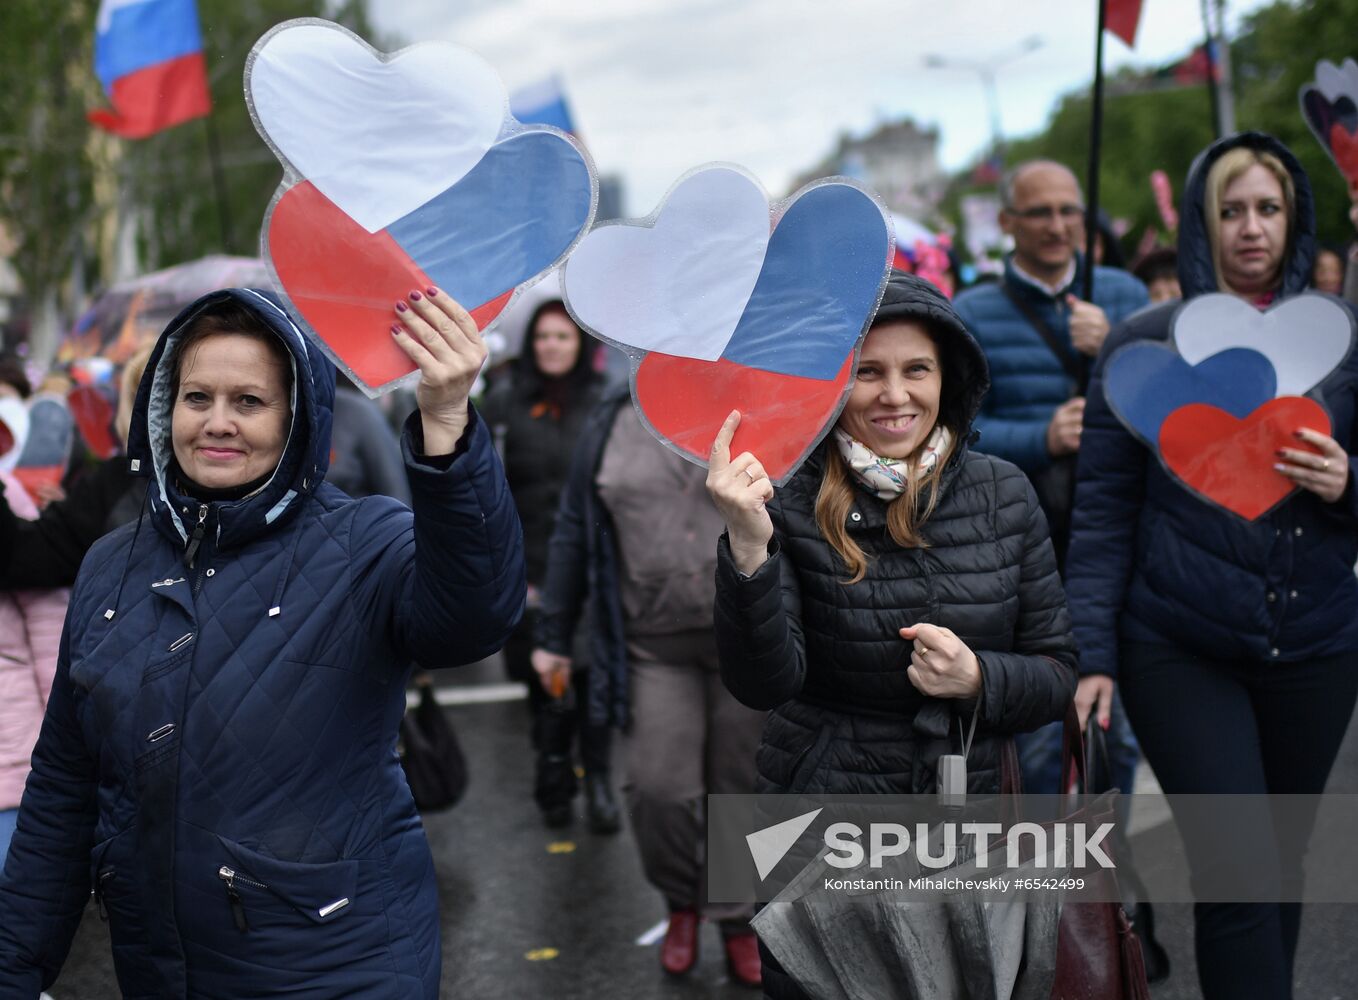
1088	326
740	488
443	341
553	670
1067	423
941	664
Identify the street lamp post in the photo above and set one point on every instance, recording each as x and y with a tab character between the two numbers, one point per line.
986	70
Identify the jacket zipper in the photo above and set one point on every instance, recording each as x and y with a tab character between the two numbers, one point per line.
104	876
196	539
230	877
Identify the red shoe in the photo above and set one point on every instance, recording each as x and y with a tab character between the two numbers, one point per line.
679	950
742	959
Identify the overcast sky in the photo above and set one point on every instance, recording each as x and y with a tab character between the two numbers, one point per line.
659	86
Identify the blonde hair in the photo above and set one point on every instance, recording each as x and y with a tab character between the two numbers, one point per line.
904	518
128	382
1228	167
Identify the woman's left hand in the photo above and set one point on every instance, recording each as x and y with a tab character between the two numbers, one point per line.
942	665
442	339
1326	475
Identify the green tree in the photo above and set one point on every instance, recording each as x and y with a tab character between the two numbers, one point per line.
1274	56
46	167
67	189
1274	53
171	175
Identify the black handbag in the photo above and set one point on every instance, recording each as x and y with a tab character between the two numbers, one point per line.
431	755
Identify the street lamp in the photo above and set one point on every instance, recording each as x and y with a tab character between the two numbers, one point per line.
986	70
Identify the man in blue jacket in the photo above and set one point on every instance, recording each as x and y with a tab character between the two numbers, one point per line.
1039	337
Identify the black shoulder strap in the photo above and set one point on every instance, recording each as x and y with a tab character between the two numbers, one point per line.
1073	366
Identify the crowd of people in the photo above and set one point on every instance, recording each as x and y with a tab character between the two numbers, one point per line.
205	642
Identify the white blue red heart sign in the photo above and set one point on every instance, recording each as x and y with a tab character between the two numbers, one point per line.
1230	388
723	302
403	171
47	443
1329	104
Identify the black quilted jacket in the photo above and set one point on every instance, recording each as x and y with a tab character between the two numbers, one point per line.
825	656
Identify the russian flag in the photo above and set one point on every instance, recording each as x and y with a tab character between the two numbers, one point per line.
148	54
543	103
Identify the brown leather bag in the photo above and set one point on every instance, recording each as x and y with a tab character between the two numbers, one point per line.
1097	955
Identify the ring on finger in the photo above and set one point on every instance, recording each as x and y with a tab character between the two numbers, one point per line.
752	477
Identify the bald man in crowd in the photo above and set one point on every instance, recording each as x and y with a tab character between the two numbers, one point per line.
1040	337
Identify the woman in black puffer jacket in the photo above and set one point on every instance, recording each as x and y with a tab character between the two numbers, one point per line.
899	583
535	416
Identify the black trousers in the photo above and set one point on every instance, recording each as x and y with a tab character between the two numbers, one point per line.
556	726
1242	728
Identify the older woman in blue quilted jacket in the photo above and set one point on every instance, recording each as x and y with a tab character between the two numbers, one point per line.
218	757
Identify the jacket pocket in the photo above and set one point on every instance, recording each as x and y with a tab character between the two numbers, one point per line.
114	890
264	891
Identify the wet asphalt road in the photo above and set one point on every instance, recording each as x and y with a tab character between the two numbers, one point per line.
532	913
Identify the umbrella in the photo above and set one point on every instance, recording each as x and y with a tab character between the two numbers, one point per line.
132	313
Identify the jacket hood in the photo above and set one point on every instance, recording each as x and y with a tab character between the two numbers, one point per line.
966	376
1197	275
306	455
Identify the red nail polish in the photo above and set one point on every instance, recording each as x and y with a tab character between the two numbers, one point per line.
433	292
1106	723
401	307
415	296
395	329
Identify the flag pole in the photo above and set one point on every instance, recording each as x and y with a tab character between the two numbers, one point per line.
1209	51
1095	151
214	155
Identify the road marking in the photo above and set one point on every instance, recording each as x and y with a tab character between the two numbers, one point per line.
472	694
560	847
541	954
654	934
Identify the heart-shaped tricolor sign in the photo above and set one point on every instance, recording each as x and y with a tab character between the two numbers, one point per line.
1330	106
14	417
1217	402
47	447
403	171
93	410
1230	461
718	312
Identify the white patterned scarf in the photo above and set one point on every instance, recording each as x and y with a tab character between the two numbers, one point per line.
888	478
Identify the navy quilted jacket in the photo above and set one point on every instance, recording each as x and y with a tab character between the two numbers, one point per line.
218	758
1151	563
1028	382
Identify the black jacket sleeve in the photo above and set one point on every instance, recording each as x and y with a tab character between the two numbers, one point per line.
1110	487
1033	683
758	620
566	584
48	552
